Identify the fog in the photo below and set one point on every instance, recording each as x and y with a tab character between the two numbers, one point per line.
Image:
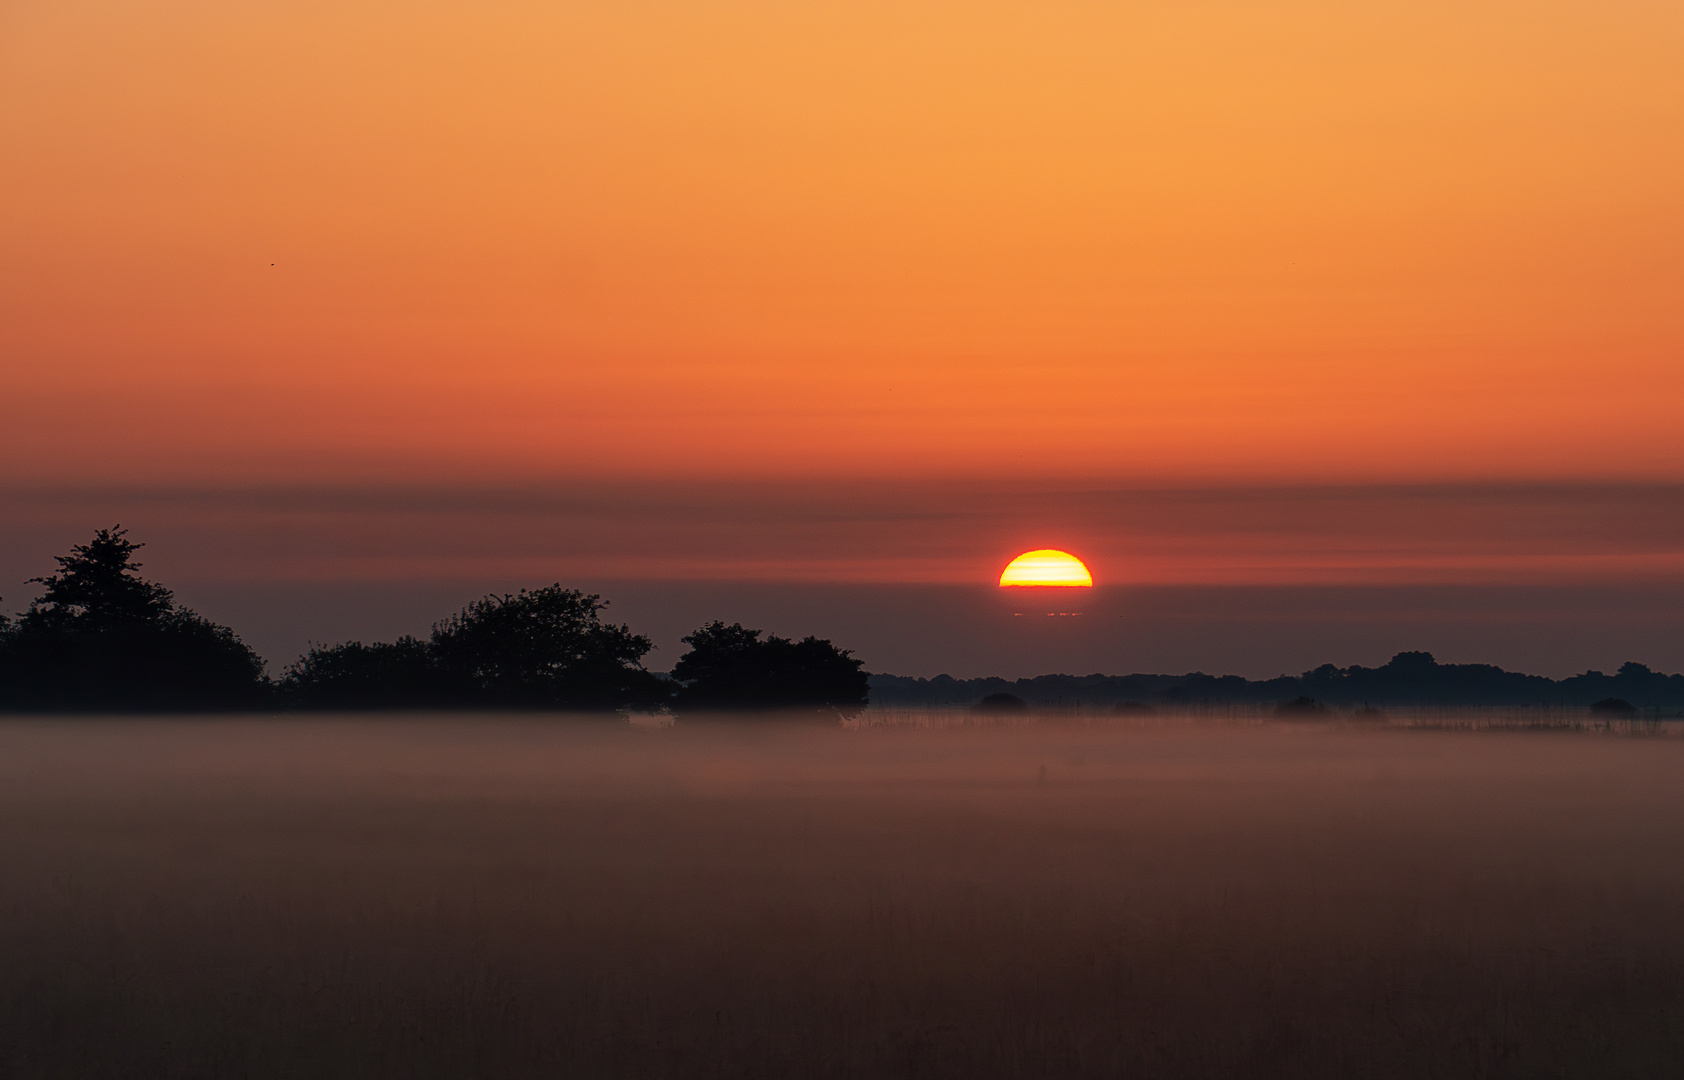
459	896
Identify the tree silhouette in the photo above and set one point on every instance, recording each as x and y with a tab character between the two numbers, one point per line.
543	649
102	638
386	675
98	586
730	667
540	649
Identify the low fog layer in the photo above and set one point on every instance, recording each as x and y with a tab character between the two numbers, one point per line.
467	896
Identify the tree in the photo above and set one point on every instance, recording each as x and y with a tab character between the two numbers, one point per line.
102	638
543	649
731	667
98	586
386	675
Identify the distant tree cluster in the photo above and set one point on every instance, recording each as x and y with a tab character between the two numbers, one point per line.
1408	679
730	667
549	649
103	639
541	649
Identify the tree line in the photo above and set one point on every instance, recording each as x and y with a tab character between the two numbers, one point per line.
101	638
1411	679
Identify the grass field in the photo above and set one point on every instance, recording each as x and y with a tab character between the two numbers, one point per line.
477	897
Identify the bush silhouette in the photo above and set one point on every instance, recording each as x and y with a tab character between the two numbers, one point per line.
1301	706
385	675
1001	704
541	649
1613	707
731	667
102	638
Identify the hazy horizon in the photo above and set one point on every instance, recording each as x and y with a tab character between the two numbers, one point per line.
1546	578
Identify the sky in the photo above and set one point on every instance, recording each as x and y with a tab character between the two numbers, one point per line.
357	308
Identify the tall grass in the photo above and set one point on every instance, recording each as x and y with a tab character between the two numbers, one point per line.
455	897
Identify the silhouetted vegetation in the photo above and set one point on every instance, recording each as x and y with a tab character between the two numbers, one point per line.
1001	704
1410	679
1301	707
541	649
544	649
549	649
386	675
102	638
732	667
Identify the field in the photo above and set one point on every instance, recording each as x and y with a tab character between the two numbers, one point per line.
480	897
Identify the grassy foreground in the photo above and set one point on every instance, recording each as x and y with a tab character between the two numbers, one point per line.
428	897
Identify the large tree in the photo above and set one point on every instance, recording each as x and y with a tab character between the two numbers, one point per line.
733	668
102	638
543	649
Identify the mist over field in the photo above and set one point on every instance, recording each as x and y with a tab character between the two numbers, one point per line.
487	896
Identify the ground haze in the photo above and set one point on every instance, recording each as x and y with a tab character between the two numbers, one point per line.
470	896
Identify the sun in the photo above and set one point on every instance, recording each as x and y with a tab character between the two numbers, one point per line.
1047	567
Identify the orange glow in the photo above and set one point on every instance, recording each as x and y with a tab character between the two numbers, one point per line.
1299	241
1046	567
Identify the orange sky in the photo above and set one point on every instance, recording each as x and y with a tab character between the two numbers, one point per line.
1157	240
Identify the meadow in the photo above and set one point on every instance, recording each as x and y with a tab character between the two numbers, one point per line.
434	896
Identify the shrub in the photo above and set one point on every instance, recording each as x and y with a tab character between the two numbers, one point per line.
731	667
1001	704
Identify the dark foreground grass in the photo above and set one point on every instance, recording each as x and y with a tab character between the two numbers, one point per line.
429	898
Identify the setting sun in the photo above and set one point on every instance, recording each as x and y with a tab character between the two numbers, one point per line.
1046	567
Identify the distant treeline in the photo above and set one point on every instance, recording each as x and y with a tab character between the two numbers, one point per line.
1409	679
103	639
